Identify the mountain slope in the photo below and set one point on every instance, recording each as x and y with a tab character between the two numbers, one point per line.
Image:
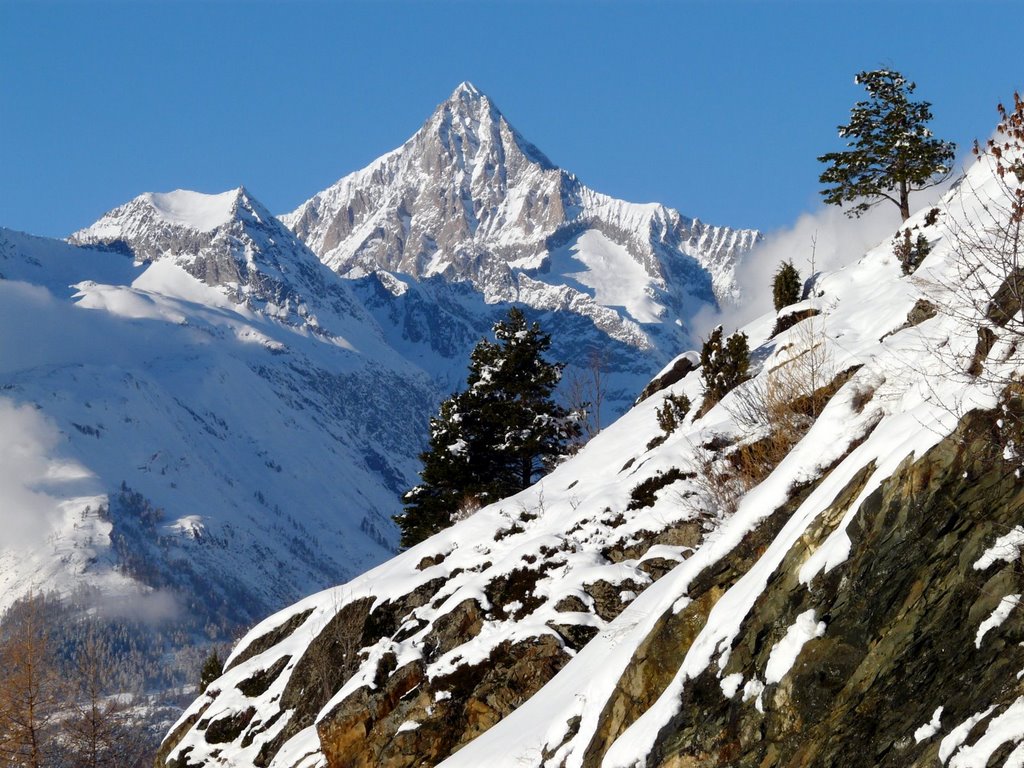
468	199
215	423
756	588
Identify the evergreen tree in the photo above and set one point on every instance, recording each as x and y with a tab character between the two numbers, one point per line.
723	366
786	286
213	668
495	438
890	151
910	253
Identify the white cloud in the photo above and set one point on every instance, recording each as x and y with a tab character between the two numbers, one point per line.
835	241
28	514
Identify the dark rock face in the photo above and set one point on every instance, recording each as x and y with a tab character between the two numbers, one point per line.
364	731
677	372
902	614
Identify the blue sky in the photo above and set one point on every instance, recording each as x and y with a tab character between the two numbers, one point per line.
717	108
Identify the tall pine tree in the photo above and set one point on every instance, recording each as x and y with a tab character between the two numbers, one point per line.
495	438
890	151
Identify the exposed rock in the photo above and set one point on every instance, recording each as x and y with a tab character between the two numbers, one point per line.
683	365
364	730
902	617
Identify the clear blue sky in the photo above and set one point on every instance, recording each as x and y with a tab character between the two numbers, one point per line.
717	108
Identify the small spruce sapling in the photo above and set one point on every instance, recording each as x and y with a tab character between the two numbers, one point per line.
786	286
213	668
671	412
723	365
910	253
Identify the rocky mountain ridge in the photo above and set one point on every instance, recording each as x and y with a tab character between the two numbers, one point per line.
468	199
240	425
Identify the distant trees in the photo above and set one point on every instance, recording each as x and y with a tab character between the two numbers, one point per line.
890	151
496	437
786	286
70	686
31	690
586	391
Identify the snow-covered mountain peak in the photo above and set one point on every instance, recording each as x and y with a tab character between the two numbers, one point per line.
231	242
469	121
195	210
466	89
468	199
182	211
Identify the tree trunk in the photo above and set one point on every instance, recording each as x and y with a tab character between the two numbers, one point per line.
904	200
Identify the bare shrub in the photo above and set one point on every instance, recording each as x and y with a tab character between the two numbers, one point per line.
986	290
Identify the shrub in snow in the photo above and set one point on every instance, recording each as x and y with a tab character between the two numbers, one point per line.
910	253
786	286
672	411
723	365
213	668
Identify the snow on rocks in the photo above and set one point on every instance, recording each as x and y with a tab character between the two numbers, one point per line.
997	617
784	653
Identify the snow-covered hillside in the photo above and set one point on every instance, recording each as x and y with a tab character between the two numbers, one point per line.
468	200
216	422
821	569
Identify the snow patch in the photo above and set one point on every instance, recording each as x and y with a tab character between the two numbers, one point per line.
997	617
930	728
194	210
1006	549
1005	728
785	652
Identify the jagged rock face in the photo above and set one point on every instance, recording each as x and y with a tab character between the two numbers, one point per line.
468	198
902	618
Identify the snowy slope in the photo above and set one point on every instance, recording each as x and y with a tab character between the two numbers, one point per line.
222	376
468	199
587	622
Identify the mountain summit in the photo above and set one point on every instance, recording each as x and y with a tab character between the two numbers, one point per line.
231	242
469	199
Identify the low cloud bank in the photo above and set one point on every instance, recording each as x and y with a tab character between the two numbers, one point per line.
834	240
27	514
